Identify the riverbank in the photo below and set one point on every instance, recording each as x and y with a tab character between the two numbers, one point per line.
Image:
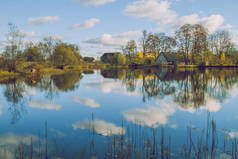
46	69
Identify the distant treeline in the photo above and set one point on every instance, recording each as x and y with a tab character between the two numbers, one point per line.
192	44
50	51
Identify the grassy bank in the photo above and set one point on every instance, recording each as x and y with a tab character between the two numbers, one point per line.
28	68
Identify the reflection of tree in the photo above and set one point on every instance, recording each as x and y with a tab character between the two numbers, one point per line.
14	95
189	88
47	86
130	80
113	73
66	82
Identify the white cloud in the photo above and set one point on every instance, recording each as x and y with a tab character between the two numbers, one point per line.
152	116
45	105
161	12
151	9
130	34
108	40
99	126
26	33
86	101
212	23
57	37
95	2
43	20
90	23
117	40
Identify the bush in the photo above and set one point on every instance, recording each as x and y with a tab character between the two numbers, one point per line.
88	59
113	58
33	54
65	55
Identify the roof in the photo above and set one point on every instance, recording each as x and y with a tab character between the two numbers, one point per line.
111	53
170	57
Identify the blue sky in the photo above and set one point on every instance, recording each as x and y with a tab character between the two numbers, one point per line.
104	25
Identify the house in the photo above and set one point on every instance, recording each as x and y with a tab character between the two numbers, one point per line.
166	58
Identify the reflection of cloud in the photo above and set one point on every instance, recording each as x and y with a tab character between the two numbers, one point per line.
57	132
44	105
1	108
14	139
30	91
86	101
107	86
151	116
99	126
233	134
211	105
9	143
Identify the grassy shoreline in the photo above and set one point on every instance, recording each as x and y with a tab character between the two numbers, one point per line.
90	66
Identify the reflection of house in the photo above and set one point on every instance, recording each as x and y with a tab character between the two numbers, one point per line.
171	75
166	58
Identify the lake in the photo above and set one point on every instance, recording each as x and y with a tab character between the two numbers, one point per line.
149	113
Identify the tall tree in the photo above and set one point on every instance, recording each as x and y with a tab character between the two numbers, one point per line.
14	46
184	39
47	46
199	42
130	49
143	42
153	43
221	42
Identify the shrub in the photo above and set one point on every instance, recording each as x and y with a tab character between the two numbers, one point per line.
113	58
88	59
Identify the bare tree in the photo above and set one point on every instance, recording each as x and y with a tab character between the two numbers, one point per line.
221	42
199	43
130	49
167	43
153	43
14	46
48	45
143	42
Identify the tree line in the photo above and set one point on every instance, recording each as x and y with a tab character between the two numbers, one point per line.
192	44
49	50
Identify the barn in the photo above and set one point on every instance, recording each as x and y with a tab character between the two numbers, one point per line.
166	58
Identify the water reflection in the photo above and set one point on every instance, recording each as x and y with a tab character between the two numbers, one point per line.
189	88
18	90
144	113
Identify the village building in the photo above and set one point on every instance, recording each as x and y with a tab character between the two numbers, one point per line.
166	59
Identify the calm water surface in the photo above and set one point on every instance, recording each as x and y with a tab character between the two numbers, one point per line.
149	113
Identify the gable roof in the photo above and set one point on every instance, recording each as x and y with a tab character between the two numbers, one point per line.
170	57
111	53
